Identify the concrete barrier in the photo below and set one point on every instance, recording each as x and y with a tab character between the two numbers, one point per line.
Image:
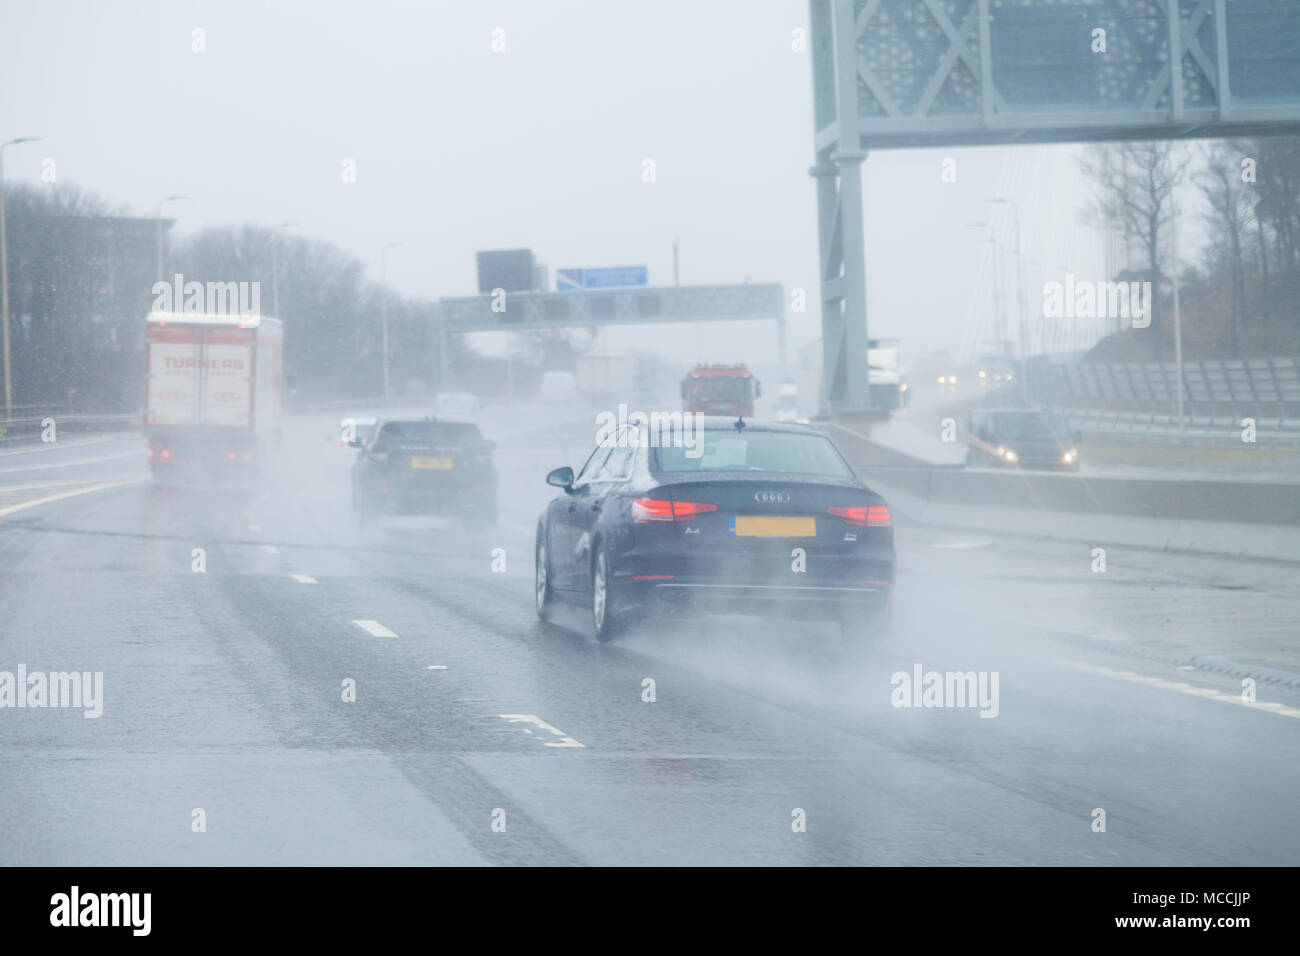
1240	518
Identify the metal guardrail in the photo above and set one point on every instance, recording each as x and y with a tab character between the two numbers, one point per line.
1139	400
30	428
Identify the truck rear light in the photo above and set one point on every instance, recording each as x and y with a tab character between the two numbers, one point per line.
248	456
150	452
231	455
658	509
166	453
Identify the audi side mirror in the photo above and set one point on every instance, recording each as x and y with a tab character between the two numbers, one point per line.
561	478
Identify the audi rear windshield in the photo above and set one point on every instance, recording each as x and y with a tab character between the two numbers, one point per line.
757	451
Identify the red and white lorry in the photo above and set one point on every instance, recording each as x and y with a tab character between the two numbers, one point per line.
212	394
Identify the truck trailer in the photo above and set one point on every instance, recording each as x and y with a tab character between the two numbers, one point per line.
212	395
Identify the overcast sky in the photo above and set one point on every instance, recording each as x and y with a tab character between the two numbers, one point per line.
458	148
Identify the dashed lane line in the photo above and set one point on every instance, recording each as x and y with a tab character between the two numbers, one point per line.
374	628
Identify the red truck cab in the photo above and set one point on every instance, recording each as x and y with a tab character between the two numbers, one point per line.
720	390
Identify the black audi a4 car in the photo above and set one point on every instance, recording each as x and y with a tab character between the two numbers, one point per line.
425	466
742	517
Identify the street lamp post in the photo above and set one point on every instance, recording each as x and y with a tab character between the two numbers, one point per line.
4	274
383	306
162	269
275	268
999	314
1021	328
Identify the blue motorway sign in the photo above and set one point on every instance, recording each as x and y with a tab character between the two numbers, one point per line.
608	278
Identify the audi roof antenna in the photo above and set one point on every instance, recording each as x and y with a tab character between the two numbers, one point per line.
739	424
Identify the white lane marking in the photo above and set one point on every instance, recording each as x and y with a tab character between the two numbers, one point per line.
9	489
564	741
69	464
67	494
374	628
1192	691
962	545
303	578
56	445
254	527
436	667
270	549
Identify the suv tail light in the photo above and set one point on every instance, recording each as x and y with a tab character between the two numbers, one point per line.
659	509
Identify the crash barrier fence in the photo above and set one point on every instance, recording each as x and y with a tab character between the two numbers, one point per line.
1139	400
25	426
1253	503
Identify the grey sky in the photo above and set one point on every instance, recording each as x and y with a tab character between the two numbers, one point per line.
459	148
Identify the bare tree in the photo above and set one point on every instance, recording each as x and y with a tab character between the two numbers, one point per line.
1132	186
1231	212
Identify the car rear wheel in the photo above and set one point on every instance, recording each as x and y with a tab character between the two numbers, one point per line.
605	621
542	579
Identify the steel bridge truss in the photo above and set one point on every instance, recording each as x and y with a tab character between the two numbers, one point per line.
921	73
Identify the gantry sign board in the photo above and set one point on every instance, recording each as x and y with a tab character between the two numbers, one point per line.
913	73
566	280
515	311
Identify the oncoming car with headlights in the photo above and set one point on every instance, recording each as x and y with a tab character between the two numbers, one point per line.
753	518
1020	438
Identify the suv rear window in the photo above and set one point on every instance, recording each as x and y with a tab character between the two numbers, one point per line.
452	433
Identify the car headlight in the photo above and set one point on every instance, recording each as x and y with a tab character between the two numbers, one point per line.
1008	455
1070	457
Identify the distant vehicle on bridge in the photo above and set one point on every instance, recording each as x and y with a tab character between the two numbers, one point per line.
212	394
720	390
787	402
884	380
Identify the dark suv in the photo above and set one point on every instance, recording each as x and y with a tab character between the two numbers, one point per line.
426	466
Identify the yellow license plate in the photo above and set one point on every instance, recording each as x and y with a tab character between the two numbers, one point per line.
434	464
771	527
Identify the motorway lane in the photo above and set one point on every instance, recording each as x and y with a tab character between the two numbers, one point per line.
223	692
